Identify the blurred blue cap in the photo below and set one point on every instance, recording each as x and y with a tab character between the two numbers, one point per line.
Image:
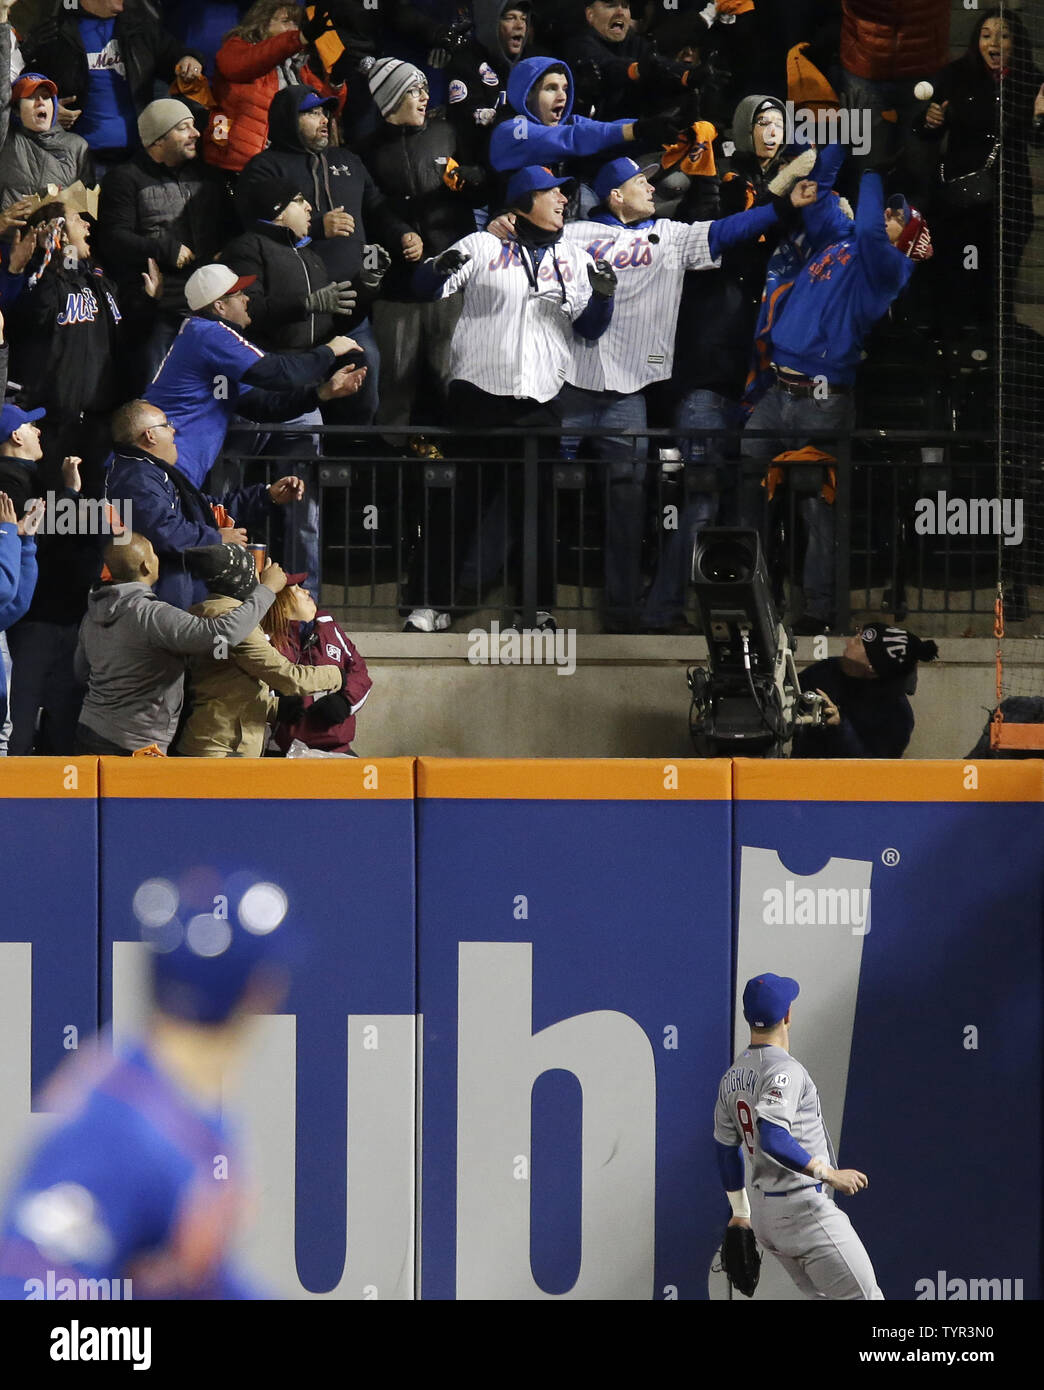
203	963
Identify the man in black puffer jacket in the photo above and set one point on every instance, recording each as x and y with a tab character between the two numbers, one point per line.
164	204
414	163
347	209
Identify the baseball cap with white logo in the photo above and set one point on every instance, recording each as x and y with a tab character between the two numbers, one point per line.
212	282
615	173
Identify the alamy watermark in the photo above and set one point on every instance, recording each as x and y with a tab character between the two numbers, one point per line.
973	516
955	1290
792	906
523	647
83	516
849	126
62	1287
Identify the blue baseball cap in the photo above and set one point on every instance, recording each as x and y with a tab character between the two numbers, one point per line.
767	998
202	964
313	99
533	179
616	172
13	418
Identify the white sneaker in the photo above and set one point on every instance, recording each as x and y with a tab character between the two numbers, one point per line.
427	620
545	622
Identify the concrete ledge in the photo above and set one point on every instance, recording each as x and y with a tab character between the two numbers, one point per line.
627	697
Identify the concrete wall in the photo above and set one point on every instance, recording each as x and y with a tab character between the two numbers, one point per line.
627	697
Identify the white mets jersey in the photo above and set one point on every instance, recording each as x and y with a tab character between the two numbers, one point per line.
515	333
650	263
766	1083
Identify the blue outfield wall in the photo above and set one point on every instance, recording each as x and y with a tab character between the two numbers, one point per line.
515	991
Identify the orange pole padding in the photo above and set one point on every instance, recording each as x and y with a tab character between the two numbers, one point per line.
1004	734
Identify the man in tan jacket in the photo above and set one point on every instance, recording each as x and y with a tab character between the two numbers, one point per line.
231	689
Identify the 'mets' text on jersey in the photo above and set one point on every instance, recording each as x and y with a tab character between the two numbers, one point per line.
650	263
515	332
766	1083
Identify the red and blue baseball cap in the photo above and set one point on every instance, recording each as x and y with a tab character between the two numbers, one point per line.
767	998
616	172
12	418
533	179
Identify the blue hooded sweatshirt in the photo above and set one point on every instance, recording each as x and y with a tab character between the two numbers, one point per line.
840	294
522	140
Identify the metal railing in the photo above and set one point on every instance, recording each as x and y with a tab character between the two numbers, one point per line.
398	531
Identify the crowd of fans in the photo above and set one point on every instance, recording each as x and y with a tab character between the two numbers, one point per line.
215	218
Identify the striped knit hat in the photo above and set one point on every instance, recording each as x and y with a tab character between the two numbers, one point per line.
390	80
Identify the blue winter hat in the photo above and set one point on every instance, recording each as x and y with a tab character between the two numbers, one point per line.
767	998
533	179
13	418
616	172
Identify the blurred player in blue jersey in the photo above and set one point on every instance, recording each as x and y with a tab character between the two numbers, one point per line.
137	1181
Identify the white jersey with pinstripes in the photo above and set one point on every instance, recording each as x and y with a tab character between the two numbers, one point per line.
766	1083
650	263
515	333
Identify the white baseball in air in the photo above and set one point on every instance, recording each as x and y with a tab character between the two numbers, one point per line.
924	91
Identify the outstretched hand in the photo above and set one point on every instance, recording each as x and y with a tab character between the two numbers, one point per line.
346	382
288	489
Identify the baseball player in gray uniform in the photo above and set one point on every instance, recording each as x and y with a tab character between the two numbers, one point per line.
769	1107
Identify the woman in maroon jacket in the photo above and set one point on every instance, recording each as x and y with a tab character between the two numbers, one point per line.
258	57
309	638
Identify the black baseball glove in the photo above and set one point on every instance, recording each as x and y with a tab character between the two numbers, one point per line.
449	262
603	279
741	1259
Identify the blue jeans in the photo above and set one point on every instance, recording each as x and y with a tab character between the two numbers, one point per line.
301	519
621	468
698	409
790	418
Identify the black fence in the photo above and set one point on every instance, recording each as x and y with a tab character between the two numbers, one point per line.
914	523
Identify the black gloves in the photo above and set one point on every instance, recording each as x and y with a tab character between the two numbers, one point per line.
603	279
335	298
375	265
471	175
449	263
454	38
653	132
289	710
329	710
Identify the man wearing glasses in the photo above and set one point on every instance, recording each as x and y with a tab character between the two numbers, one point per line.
152	496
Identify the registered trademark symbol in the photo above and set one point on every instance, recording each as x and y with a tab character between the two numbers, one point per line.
890	857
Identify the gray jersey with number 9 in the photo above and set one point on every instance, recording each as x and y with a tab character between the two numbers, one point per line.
766	1083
